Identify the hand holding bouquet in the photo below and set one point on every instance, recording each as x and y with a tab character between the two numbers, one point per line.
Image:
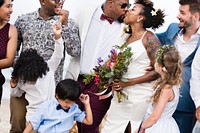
111	70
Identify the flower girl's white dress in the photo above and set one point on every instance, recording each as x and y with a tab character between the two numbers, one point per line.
196	128
166	123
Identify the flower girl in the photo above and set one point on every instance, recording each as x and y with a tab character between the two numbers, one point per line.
165	99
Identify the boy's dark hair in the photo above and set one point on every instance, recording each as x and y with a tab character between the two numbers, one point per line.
29	67
68	89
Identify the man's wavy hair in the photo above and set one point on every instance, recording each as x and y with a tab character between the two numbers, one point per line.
153	21
29	67
194	5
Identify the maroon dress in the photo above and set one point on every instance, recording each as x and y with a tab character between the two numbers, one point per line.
4	38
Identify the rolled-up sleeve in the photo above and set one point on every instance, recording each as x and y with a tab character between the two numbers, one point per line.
16	91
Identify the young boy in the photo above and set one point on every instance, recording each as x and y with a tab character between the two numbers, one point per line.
59	114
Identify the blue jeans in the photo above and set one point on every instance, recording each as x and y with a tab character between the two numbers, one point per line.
185	121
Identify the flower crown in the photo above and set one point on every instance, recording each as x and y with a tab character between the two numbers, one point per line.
161	51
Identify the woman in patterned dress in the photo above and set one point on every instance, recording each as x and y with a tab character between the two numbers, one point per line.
8	39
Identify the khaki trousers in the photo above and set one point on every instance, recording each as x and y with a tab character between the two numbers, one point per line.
18	113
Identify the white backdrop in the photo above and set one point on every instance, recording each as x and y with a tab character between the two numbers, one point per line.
25	6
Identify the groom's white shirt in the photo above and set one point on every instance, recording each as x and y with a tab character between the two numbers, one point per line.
97	38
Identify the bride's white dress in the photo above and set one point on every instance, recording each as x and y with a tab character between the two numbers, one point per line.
133	109
166	123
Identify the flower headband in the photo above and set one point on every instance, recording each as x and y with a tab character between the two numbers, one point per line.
161	51
153	12
148	3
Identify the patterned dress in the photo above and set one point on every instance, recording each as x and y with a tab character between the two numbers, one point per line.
4	38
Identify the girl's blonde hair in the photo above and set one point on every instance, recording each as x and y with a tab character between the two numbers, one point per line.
168	57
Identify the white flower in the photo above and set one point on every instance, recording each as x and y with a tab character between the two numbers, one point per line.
164	69
126	28
153	13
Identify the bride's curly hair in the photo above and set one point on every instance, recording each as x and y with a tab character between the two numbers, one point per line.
169	59
29	67
154	18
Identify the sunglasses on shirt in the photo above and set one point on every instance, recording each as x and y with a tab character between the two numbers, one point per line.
124	5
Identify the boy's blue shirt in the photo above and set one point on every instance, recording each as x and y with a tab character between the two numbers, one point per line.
48	119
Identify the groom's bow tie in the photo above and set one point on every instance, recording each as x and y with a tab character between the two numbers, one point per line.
109	19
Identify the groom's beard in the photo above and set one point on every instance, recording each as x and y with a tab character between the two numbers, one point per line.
121	18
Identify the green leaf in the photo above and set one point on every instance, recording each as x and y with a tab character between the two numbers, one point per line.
108	75
87	78
124	79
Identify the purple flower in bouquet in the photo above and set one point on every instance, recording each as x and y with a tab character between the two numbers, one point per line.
113	55
99	60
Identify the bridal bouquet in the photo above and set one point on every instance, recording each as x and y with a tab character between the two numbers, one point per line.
113	69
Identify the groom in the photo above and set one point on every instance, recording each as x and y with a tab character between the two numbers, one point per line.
100	28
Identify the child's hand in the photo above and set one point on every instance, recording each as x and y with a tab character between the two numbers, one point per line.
136	131
142	130
85	99
13	83
57	29
64	16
